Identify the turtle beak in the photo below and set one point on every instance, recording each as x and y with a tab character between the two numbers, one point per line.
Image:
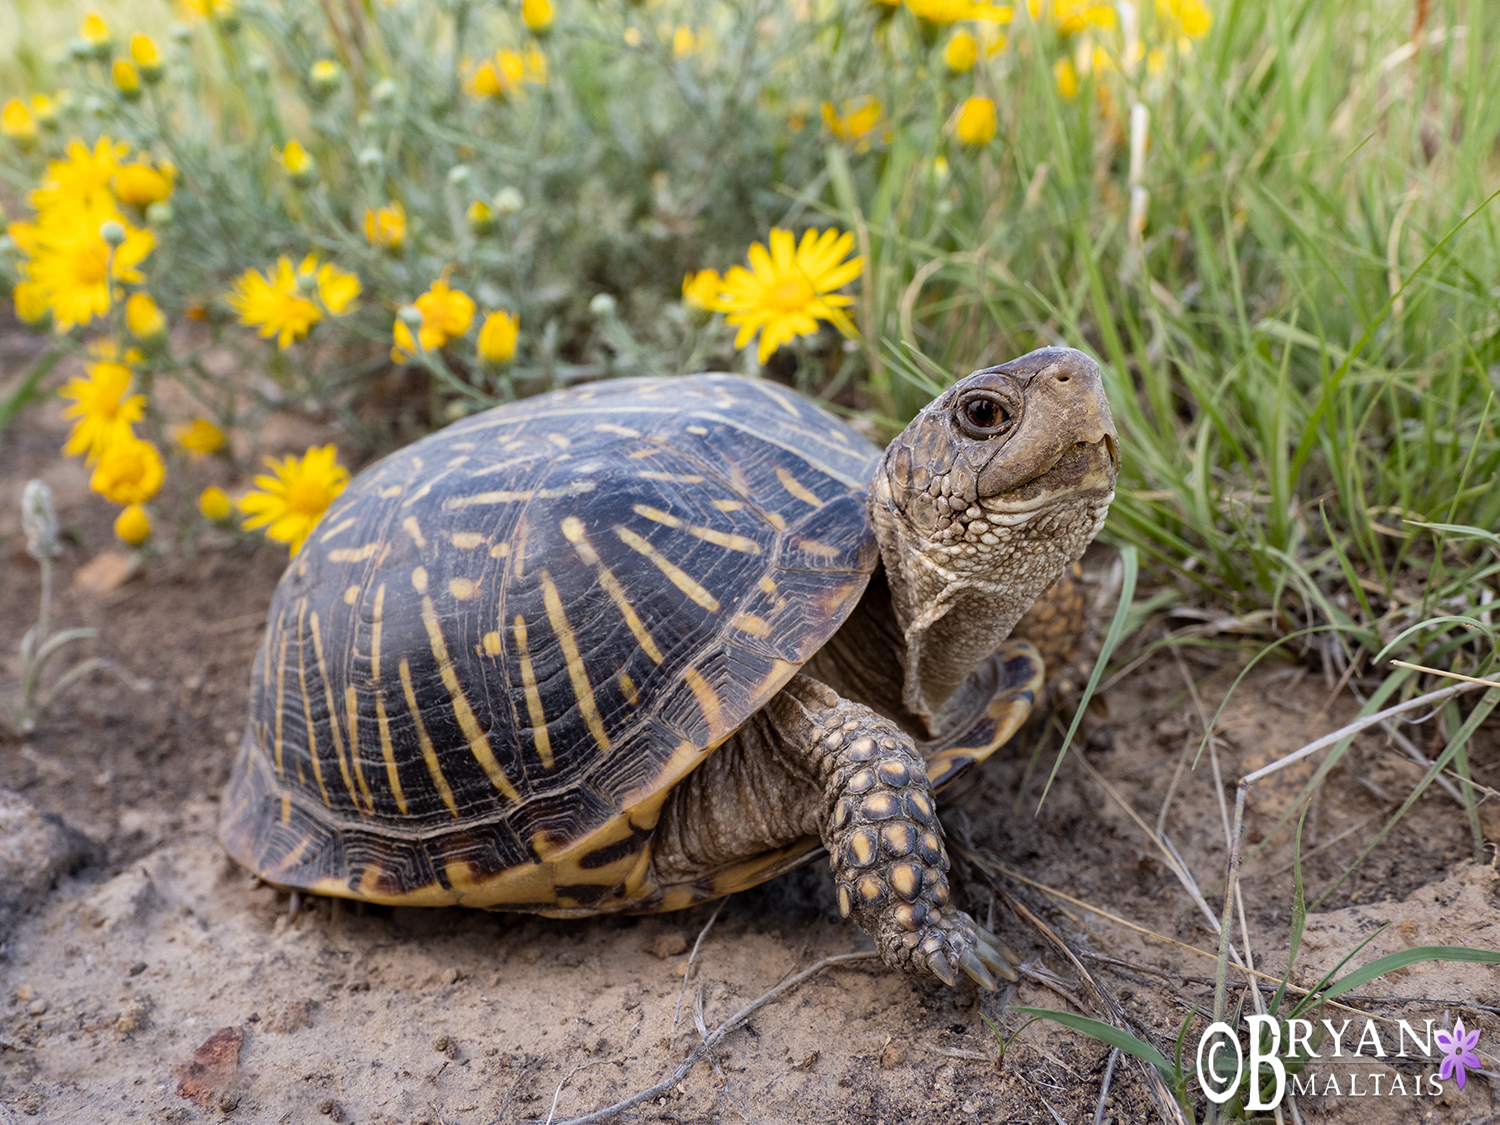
1065	410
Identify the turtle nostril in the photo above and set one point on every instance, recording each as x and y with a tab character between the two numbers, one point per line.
1063	377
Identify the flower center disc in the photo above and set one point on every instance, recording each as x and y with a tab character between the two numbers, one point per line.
791	294
307	497
89	267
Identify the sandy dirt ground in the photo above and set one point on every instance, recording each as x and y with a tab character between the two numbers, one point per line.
146	978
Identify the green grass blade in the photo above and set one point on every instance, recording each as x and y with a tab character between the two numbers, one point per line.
1393	961
1108	1033
1112	638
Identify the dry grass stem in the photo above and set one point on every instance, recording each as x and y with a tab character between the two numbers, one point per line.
713	1039
1431	698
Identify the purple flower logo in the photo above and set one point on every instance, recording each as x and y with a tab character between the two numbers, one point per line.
1458	1052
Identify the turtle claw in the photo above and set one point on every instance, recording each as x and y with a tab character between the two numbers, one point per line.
995	955
939	967
976	969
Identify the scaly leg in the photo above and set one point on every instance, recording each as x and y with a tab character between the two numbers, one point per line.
878	820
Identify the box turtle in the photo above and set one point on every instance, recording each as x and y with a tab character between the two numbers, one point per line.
642	643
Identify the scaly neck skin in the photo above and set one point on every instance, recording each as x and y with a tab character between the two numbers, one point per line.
957	594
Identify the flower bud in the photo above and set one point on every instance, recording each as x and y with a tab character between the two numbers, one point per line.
481	217
497	338
459	175
147	59
112	231
181	34
39	521
410	315
603	305
384	92
325	76
94	106
260	66
508	201
371	159
159	214
127	79
133	525
95	32
538	16
299	164
214	504
81	50
144	319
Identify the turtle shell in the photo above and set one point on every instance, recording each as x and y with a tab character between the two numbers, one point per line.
504	644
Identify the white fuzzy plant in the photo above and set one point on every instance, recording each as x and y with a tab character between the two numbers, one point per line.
30	704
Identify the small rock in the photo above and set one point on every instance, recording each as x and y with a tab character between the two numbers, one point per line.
291	1016
442	1043
135	1017
668	945
893	1056
38	1007
136	970
228	1103
968	1107
124	899
36	850
25	994
214	1066
807	1063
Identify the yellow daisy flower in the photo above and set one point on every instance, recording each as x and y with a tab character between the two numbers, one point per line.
337	289
129	472
961	53
104	413
289	503
207	8
274	304
17	123
126	78
82	179
93	29
445	313
386	227
786	292
214	503
143	317
140	185
976	121
144	53
1066	78
538	15
951	11
1073	16
70	259
700	290
200	438
856	123
133	525
497	337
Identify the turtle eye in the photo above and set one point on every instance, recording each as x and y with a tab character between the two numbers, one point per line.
983	416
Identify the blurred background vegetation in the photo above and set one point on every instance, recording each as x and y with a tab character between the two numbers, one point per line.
1272	221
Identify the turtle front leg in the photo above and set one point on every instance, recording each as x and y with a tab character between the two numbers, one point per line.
885	844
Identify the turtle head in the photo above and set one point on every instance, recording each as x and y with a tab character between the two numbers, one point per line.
982	502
